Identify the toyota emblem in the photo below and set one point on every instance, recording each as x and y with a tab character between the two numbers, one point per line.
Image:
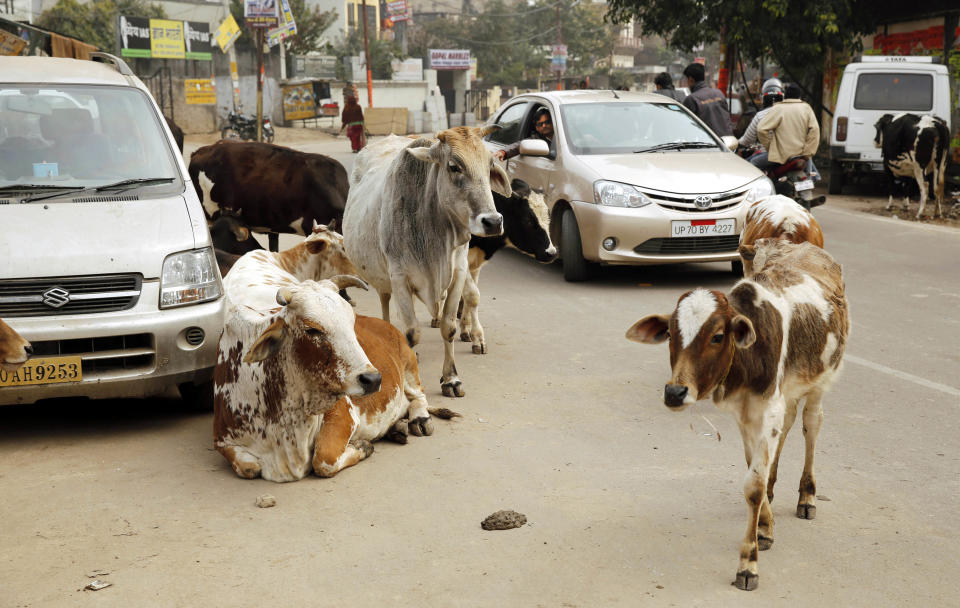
702	202
55	297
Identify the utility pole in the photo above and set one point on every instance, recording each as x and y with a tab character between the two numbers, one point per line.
559	42
366	50
232	55
259	84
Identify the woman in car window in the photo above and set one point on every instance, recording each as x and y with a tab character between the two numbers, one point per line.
542	129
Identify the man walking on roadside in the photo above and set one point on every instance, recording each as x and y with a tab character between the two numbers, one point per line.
707	103
664	84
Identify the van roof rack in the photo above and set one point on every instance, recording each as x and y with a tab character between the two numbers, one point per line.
118	64
897	59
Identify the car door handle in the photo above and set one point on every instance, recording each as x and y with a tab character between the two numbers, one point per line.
858	121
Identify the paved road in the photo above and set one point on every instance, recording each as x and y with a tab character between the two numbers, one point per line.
628	504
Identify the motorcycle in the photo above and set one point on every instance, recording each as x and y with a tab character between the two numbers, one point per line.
790	179
242	126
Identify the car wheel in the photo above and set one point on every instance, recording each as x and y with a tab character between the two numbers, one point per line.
198	396
575	267
229	133
836	178
737	268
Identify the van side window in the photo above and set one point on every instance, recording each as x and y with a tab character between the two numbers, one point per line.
509	123
894	92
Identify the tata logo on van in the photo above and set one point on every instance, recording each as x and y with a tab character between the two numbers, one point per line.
55	297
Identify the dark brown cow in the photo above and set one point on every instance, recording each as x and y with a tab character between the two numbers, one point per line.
776	339
274	189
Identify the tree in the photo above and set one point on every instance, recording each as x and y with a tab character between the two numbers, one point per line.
95	21
795	35
382	53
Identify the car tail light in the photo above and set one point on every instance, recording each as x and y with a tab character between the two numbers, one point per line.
842	128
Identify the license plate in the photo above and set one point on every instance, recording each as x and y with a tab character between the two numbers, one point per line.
49	370
688	228
806	184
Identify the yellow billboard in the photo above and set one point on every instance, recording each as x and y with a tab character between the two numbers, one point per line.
166	39
200	91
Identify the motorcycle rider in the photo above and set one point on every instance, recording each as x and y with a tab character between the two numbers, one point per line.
772	91
789	129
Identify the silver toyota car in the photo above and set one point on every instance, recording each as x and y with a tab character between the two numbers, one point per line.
106	265
630	178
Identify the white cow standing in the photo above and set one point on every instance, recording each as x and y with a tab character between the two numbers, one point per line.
407	224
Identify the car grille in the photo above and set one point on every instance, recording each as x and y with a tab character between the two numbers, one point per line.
103	355
74	295
685	202
691	245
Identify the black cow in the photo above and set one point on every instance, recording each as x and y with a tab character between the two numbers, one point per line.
177	132
275	188
914	147
526	227
231	239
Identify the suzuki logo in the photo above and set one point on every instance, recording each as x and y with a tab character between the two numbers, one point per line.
55	297
702	202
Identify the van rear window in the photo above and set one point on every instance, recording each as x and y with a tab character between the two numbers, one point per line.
903	92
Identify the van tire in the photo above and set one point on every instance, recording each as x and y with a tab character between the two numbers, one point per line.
836	178
575	267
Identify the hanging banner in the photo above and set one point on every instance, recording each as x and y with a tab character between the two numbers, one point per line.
227	33
260	13
11	44
200	91
197	39
444	59
558	61
397	10
287	27
166	39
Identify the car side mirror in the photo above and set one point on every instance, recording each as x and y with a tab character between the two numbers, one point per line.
730	142
534	147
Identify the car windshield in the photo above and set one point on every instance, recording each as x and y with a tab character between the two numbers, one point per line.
623	128
73	136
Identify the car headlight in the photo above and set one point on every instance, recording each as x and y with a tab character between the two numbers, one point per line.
615	194
758	189
189	277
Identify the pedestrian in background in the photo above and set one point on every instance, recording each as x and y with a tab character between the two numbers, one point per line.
664	84
352	120
709	104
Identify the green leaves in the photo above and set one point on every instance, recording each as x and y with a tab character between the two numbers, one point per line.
95	21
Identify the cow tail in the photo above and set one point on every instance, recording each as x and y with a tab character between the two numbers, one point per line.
443	413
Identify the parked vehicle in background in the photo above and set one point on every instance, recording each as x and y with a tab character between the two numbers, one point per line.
630	178
243	126
874	86
107	267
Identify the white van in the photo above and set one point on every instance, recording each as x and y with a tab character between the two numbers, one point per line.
874	86
106	264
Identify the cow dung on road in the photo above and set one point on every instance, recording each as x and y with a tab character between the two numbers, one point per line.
503	520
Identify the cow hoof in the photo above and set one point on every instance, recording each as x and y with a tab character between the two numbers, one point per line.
420	427
452	389
479	349
764	542
364	446
413	337
464	336
746	580
398	433
434	323
806	511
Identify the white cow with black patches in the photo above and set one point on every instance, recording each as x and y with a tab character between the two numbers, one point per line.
777	338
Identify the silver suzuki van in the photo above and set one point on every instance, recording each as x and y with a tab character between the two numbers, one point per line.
106	264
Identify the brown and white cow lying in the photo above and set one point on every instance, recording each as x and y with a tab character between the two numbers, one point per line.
301	383
14	350
777	217
775	339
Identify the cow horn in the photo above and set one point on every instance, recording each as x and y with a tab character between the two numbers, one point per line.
487	130
284	295
342	281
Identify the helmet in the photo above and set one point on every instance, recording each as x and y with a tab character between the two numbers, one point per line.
772	86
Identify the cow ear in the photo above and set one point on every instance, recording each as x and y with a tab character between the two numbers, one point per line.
743	333
499	181
652	329
241	233
487	130
520	187
316	246
268	344
747	252
426	155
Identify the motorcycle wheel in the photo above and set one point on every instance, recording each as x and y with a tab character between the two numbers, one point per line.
268	137
229	133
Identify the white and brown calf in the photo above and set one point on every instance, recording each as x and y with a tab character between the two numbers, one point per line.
777	217
775	339
14	350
